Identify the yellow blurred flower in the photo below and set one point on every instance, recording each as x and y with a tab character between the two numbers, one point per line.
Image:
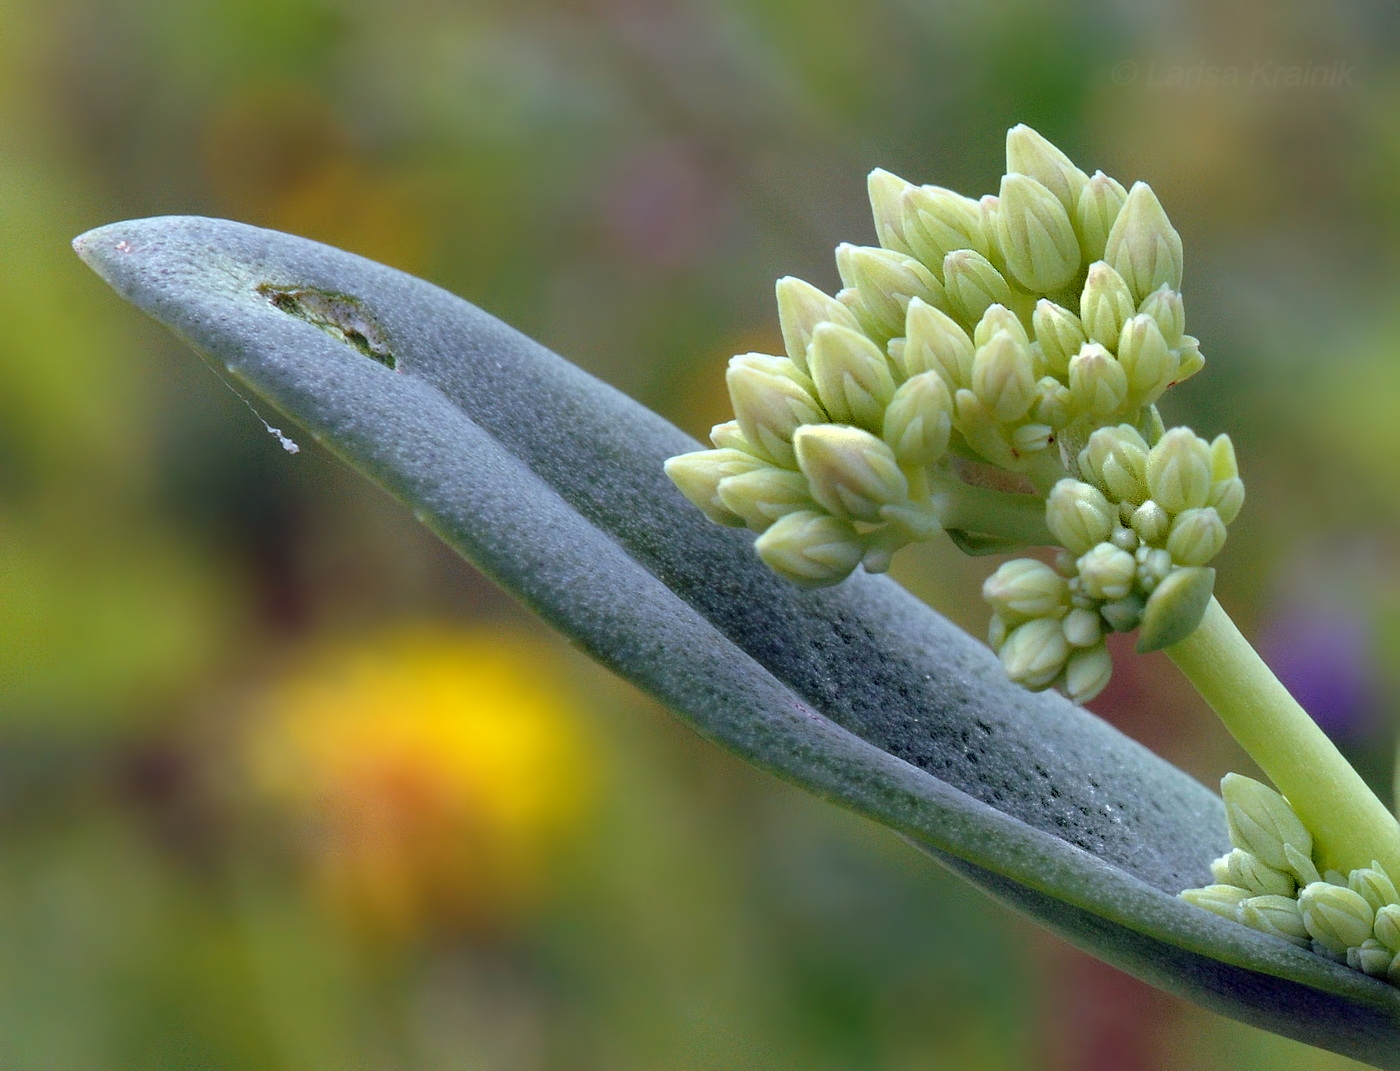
431	775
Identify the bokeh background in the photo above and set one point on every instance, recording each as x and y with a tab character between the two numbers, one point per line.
285	785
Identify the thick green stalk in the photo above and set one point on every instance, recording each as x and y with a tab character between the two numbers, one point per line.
1019	517
1350	826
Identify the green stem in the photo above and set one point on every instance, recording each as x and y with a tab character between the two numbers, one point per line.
986	511
1350	826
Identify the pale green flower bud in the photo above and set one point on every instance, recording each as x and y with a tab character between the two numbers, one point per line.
1028	438
1387	926
1164	305
1151	522
1173	611
1025	589
1054	404
811	549
1028	153
1370	957
1087	673
939	221
887	206
885	281
851	473
801	306
973	284
1143	353
1226	489
999	318
1154	566
1178	471
1196	537
1105	304
1223	900
1374	884
1097	381
1059	333
1337	918
1276	914
853	376
1241	868
770	403
763	495
1115	459
699	474
1099	204
1189	359
1035	235
1034	653
1083	628
1003	377
934	342
1107	572
1300	865
1079	515
981	429
919	420
1261	821
1123	615
1143	246
996	632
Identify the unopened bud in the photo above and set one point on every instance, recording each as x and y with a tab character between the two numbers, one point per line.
1143	246
1261	821
1387	926
1083	628
811	549
1097	381
1196	537
1277	914
1143	353
1151	522
1099	204
1035	235
999	318
1189	359
1107	572
1370	957
1029	153
1024	589
1178	471
1059	333
983	432
1173	612
851	473
1123	615
853	376
1105	304
1003	377
1300	864
1087	673
918	420
885	281
1079	515
698	476
1242	868
934	342
801	307
939	222
1337	918
1373	883
1165	307
762	496
1115	459
1034	653
770	403
1223	900
730	436
1054	404
973	284
887	206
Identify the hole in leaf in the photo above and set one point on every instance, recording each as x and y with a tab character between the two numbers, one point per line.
339	315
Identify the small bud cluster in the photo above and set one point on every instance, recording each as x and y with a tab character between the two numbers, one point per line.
996	334
1270	883
1137	533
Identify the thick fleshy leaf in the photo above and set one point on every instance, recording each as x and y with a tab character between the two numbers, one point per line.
551	482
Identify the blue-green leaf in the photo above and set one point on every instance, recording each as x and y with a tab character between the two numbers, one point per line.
551	482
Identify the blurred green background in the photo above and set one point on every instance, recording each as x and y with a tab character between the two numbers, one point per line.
283	784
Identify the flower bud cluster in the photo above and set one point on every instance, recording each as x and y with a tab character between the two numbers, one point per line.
1137	534
992	331
1270	883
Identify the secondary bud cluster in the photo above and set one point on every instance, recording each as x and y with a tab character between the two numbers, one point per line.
1137	533
1270	883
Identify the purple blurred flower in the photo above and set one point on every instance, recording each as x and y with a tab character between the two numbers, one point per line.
1323	655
